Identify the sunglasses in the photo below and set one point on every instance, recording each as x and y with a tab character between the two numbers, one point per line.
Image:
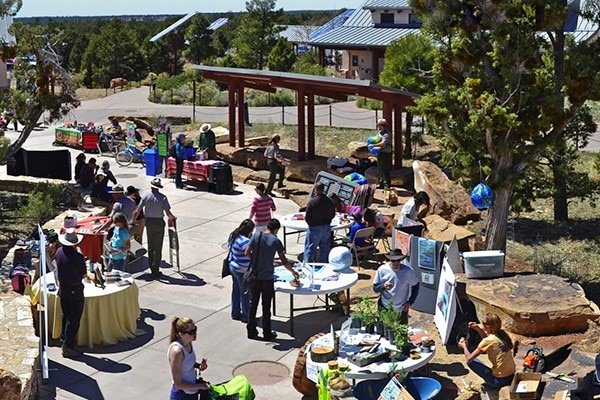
191	331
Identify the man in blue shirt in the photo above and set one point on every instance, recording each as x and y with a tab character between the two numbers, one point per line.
179	157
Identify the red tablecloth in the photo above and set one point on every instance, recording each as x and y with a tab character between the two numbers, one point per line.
192	169
91	245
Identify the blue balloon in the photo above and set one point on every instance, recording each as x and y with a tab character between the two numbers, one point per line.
374	150
482	197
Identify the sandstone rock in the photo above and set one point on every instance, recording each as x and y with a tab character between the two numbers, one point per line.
258	141
403	177
252	157
442	230
306	171
448	199
359	150
533	305
221	134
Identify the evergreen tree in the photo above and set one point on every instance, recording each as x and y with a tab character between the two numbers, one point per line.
199	39
282	57
502	72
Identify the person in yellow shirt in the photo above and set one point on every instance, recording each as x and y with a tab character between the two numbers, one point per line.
500	351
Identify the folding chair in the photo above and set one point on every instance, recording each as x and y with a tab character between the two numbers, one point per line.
368	246
380	236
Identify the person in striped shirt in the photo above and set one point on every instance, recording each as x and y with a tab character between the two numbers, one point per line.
238	264
260	210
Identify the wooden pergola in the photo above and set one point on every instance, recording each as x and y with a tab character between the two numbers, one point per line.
307	87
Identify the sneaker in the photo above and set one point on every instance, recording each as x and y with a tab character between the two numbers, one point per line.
68	352
271	336
253	335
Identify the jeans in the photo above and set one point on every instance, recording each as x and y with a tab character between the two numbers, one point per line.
71	302
384	163
178	172
120	265
240	298
317	236
263	291
485	372
274	168
155	232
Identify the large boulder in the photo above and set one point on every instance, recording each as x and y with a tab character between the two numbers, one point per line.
306	171
10	386
359	150
448	200
533	305
440	229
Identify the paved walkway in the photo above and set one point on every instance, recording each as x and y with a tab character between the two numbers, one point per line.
138	368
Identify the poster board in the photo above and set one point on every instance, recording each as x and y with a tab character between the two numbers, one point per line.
394	391
401	240
161	143
445	306
337	185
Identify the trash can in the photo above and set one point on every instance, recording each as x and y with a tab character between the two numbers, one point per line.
152	161
221	178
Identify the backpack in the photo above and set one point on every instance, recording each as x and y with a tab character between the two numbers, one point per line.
534	360
20	278
237	388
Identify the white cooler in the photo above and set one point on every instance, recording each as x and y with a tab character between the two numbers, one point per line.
484	264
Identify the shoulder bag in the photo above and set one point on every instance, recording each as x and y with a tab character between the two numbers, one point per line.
249	279
225	271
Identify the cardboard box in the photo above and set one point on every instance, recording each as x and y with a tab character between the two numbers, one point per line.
526	385
484	264
561	395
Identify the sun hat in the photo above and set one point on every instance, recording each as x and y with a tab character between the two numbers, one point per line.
156	183
117	189
205	127
131	190
181	135
70	238
395	255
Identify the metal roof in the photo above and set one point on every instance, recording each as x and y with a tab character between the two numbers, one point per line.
387	5
298	33
5	23
362	36
333	23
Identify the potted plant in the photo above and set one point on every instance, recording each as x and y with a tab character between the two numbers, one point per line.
366	311
388	318
401	337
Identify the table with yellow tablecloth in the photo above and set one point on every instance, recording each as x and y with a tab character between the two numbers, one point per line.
109	315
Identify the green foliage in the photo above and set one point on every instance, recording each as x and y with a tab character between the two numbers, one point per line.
305	65
281	57
366	311
257	33
4	144
369	104
199	39
42	202
409	64
282	97
497	100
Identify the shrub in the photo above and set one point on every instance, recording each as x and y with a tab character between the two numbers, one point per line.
42	203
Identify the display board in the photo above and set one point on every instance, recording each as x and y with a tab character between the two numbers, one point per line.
36	163
67	137
426	260
161	143
337	185
445	306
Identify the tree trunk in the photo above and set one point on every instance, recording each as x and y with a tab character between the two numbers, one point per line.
559	194
495	234
27	129
408	136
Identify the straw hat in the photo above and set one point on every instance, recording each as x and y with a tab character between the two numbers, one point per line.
156	183
205	127
395	255
70	238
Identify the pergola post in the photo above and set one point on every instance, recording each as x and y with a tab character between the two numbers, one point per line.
301	127
231	88
311	125
240	119
397	135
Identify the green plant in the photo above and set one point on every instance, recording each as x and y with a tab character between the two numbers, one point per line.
401	336
366	311
42	202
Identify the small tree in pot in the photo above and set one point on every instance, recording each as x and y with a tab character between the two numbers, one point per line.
366	312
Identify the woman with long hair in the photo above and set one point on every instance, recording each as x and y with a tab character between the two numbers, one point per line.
238	264
182	360
500	350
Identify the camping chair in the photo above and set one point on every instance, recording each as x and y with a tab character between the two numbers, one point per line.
381	236
367	248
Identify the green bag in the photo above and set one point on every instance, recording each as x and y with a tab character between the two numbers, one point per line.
237	388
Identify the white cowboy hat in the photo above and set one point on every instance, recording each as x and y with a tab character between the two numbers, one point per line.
70	238
117	189
205	127
156	183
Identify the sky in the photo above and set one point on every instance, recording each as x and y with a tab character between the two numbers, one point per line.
63	8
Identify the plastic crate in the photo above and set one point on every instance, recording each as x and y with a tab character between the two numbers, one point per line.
484	264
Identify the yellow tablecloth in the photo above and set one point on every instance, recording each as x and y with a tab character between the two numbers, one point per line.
109	314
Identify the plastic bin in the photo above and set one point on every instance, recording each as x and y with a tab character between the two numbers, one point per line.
152	161
484	264
89	142
221	178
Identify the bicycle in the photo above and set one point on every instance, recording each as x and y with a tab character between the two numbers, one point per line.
114	143
131	153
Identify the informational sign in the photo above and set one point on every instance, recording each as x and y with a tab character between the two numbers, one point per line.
161	142
337	185
130	129
445	307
